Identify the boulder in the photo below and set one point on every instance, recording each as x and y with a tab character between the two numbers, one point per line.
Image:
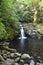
18	54
1	59
9	61
5	56
32	62
16	64
2	63
12	55
25	56
22	61
17	59
26	64
8	55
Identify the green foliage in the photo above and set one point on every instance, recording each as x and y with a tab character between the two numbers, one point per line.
8	20
13	11
2	31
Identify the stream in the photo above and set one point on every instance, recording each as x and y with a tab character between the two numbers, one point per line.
30	45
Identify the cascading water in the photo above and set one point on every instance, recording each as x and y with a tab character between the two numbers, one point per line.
22	34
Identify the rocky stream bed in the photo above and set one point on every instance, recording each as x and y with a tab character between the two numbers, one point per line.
10	56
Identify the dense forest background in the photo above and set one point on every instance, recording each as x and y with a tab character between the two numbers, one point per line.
14	12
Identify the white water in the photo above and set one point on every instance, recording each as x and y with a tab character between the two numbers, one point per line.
22	34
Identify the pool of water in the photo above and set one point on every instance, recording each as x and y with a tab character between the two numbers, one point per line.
32	46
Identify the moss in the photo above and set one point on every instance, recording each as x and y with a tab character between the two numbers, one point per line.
39	28
12	63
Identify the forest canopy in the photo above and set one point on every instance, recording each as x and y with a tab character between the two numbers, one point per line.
12	12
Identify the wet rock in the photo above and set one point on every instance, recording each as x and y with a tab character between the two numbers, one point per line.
25	61
5	56
32	62
28	28
38	63
9	61
14	50
4	52
25	56
18	54
2	63
1	59
17	59
16	64
22	61
12	55
32	58
12	63
26	64
8	55
9	49
38	59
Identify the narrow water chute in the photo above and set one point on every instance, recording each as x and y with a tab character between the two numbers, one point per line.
22	34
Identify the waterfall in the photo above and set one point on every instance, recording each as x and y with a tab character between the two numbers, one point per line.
22	34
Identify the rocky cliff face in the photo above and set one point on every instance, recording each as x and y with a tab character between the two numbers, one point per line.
31	29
